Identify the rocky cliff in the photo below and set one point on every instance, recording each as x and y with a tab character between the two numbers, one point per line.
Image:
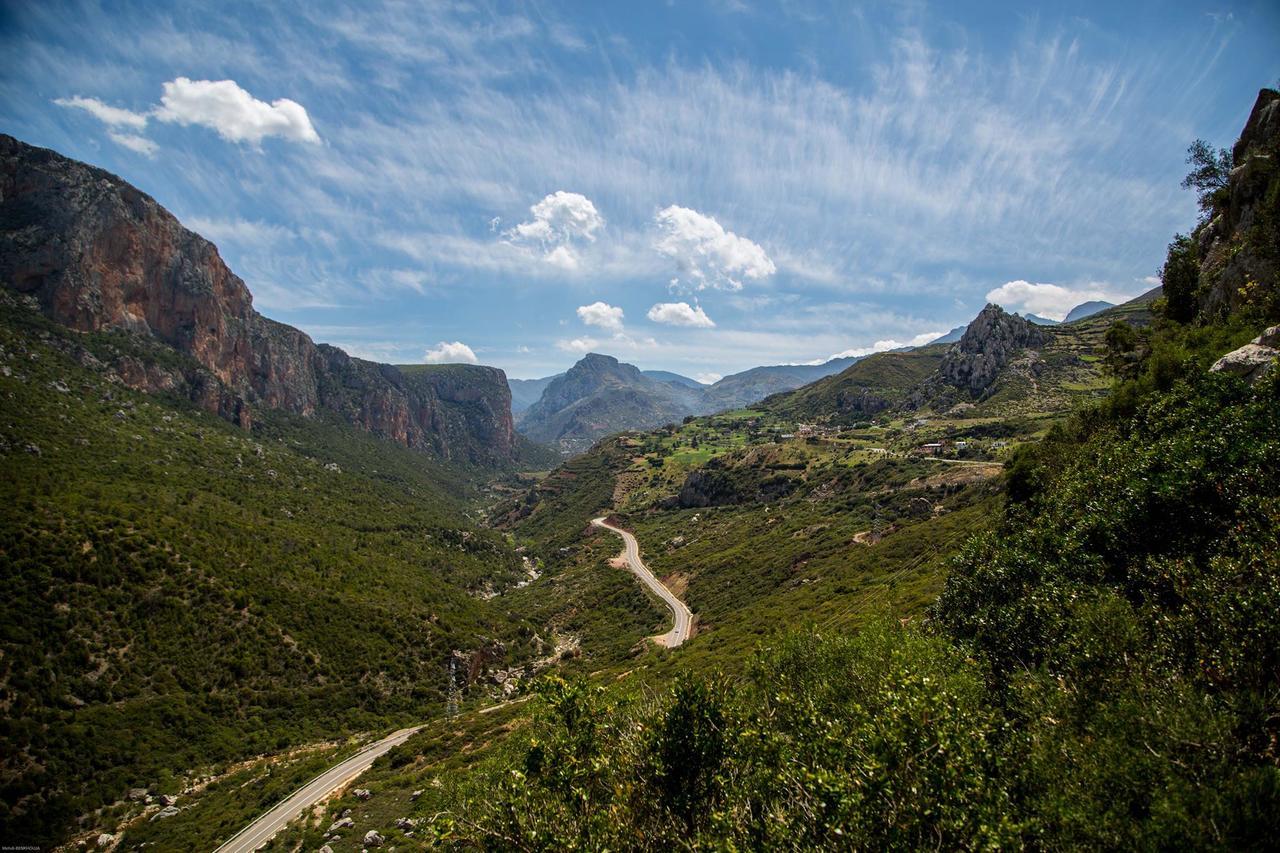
991	341
1237	245
98	254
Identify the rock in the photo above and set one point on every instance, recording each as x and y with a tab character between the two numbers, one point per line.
105	839
1254	360
362	793
373	839
991	341
341	823
416	794
325	849
332	466
96	254
406	823
1269	338
137	794
166	812
168	799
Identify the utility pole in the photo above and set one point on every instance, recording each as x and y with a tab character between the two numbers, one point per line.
451	707
875	526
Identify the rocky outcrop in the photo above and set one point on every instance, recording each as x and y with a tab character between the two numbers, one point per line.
1238	247
991	341
1254	360
98	254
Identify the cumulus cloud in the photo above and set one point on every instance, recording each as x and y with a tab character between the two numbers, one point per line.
708	378
889	344
446	352
1049	300
105	113
578	345
601	314
707	255
559	220
133	142
236	115
680	314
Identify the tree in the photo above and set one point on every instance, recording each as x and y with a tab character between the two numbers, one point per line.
1209	174
1122	356
1180	277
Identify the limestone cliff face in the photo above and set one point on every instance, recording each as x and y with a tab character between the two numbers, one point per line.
99	254
991	341
1238	244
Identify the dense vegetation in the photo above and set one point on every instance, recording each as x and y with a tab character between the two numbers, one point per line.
179	593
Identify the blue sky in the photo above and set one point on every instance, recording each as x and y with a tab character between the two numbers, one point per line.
700	187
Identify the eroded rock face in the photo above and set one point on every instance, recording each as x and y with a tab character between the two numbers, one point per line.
991	341
1235	264
99	254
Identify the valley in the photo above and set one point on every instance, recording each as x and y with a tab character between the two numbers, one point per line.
1016	586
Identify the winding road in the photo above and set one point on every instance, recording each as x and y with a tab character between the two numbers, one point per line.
681	615
263	829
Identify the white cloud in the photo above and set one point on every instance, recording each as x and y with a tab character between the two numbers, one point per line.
562	257
1049	300
706	253
708	378
236	115
133	142
558	220
680	314
578	345
888	344
601	314
109	115
450	353
241	231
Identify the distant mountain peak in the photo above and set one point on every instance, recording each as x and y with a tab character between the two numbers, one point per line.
1087	309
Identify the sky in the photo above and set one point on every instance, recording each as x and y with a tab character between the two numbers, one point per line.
691	186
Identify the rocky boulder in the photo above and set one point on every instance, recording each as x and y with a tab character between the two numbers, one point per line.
1254	360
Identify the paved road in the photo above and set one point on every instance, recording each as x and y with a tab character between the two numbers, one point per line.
263	829
683	618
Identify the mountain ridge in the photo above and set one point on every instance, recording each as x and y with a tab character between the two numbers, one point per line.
97	253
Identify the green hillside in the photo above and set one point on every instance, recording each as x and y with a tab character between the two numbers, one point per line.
180	593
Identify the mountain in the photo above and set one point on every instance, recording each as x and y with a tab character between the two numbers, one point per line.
668	376
1040	321
600	395
950	337
98	254
1087	309
751	386
525	392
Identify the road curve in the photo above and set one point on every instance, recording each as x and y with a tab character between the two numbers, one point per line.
263	829
681	615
